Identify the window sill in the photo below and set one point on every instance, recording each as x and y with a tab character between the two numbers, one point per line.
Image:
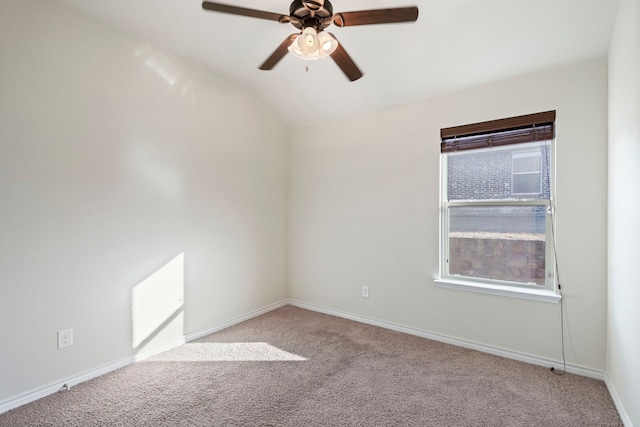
543	295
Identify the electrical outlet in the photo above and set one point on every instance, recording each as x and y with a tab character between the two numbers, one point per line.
65	338
365	291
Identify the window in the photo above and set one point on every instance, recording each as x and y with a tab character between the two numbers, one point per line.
497	234
526	173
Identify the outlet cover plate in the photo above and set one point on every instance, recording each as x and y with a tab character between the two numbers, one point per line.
65	338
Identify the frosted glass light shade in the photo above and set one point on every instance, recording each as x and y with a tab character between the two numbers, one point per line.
308	41
310	44
327	44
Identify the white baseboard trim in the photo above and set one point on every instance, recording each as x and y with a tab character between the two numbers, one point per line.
204	332
497	351
46	390
624	416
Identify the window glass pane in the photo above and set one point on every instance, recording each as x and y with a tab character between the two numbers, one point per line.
529	163
487	174
526	183
498	242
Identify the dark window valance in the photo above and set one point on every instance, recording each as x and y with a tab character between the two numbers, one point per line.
512	130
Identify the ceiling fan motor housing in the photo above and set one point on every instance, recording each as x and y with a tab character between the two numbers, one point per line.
310	13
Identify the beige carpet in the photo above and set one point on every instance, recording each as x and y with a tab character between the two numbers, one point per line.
293	367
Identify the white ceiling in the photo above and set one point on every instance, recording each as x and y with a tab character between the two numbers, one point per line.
455	44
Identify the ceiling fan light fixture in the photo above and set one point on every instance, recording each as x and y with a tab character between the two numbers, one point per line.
312	44
311	17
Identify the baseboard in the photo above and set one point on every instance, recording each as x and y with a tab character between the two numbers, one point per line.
210	330
624	416
207	331
497	351
54	387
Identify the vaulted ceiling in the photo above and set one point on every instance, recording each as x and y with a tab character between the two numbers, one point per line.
454	44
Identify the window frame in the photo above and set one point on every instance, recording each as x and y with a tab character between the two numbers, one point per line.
548	293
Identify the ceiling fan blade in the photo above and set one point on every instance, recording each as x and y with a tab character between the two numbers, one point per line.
279	53
376	16
346	64
252	13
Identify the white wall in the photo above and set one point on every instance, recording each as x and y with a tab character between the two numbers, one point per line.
623	315
364	209
116	160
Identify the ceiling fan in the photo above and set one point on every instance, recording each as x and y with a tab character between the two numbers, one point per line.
311	17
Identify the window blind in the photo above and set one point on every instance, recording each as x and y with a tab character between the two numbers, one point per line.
512	130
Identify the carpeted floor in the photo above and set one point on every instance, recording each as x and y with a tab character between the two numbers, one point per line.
293	367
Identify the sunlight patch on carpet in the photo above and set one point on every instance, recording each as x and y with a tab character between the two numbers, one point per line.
227	352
